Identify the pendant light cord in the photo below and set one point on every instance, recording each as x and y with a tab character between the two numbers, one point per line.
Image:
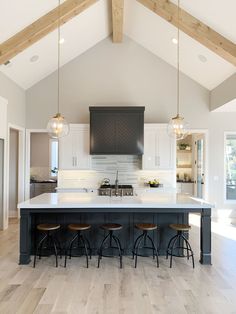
178	71
58	56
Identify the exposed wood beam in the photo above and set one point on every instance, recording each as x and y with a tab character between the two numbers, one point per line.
40	28
117	20
194	28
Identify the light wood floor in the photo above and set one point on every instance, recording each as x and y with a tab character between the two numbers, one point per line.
145	290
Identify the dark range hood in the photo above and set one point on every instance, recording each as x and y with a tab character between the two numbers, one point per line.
116	130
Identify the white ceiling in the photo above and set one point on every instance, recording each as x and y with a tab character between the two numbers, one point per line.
140	24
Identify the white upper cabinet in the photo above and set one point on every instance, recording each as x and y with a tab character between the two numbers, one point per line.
159	148
74	148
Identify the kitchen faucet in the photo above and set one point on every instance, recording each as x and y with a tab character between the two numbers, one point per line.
116	185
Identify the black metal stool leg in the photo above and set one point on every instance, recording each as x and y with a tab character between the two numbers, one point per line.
55	248
89	247
169	244
188	245
100	248
137	247
119	248
173	246
72	242
85	248
37	249
154	249
135	243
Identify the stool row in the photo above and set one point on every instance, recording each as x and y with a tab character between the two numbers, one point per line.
177	243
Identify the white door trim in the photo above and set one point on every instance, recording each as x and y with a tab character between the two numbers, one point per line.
21	165
206	157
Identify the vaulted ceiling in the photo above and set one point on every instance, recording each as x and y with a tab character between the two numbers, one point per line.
140	23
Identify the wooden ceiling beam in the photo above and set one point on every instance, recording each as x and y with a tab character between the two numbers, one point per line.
194	28
41	27
117	20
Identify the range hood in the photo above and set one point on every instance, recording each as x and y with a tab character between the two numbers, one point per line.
116	130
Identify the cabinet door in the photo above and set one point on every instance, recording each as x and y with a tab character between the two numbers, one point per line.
159	148
150	149
74	148
81	143
165	149
67	151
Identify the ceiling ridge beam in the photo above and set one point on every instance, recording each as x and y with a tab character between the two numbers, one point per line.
117	20
42	27
193	27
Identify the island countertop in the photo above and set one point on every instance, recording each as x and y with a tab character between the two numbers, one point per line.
89	200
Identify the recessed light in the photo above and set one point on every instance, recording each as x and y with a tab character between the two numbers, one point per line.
34	58
202	58
61	41
174	41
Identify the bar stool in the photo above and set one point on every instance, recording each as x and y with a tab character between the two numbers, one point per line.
144	227
110	227
179	243
78	228
49	239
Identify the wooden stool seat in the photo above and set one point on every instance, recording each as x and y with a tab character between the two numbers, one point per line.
146	226
79	227
48	227
180	227
111	227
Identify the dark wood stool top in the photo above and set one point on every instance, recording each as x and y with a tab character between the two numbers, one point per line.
79	227
180	227
48	227
111	227
146	226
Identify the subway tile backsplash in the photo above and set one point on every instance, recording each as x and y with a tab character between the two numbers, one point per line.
105	166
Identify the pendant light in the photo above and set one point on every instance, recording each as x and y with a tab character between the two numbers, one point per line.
177	127
57	126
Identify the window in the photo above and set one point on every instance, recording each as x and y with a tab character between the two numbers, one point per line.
54	157
230	166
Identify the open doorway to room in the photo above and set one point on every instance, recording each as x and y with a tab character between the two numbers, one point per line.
191	167
1	176
42	163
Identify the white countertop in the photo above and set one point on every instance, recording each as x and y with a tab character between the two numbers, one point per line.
89	200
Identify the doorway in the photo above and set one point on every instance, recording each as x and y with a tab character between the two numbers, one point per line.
191	168
13	173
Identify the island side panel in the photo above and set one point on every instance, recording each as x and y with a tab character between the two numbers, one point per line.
25	237
205	240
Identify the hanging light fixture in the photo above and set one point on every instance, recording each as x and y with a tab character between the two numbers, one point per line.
177	127
57	126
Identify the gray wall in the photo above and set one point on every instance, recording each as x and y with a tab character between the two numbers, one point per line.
127	74
39	150
16	100
223	93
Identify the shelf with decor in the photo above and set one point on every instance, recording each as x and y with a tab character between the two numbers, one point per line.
184	166
184	151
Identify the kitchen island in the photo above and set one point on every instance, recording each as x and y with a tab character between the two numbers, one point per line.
161	208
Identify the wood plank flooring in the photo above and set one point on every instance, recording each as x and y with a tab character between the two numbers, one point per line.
110	290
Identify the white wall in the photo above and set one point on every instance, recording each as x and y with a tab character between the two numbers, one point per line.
13	173
127	74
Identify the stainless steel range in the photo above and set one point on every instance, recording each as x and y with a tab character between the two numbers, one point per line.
113	190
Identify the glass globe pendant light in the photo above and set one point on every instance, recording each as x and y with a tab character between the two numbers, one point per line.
58	126
177	127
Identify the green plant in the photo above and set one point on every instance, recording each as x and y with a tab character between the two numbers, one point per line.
54	170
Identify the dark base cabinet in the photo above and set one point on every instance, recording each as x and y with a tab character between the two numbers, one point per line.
30	218
38	188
